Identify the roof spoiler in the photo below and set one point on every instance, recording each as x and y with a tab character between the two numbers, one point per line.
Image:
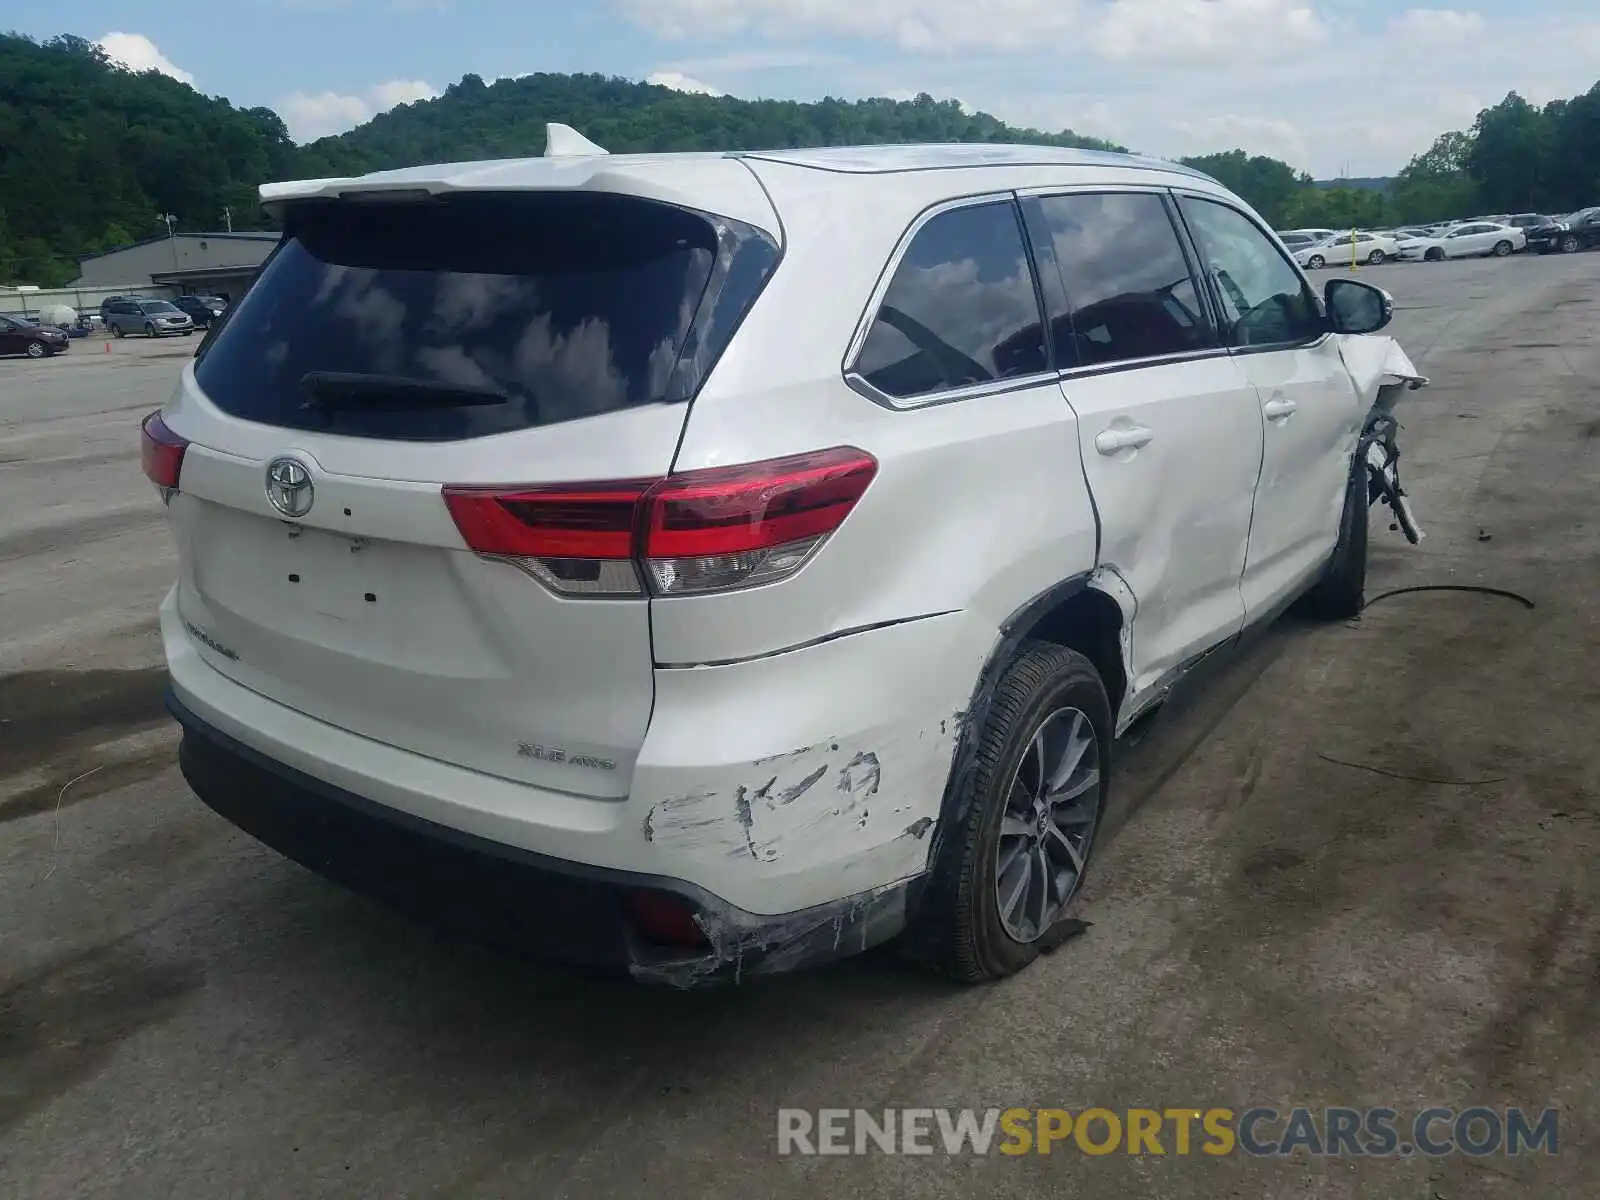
563	141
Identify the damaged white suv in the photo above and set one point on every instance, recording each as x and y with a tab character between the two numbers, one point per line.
706	564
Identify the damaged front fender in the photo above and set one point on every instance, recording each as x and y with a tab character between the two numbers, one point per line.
1383	373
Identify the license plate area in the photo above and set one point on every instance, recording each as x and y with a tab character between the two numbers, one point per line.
331	574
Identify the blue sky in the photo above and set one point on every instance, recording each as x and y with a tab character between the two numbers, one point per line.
1329	85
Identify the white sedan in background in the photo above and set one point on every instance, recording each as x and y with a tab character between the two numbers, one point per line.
1344	248
1471	240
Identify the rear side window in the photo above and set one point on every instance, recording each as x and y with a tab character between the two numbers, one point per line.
1264	300
1129	287
960	310
477	314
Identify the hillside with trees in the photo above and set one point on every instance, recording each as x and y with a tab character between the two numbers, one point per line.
506	119
92	155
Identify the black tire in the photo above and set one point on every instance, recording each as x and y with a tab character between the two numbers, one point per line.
1340	593
39	350
1502	249
1569	244
1435	254
1376	258
957	930
117	331
150	330
1316	262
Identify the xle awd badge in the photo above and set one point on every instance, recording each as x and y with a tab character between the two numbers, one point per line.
289	487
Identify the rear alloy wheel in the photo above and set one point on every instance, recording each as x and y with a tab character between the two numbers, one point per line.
1052	808
117	331
1009	866
1376	258
1316	262
38	350
1501	249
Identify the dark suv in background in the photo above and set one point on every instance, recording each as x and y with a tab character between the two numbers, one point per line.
1580	231
202	310
1544	233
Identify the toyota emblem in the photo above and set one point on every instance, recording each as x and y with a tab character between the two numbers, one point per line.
289	487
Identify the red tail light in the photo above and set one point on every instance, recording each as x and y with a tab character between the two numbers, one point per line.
702	531
161	453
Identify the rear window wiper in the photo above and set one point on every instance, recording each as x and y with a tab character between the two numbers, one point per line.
331	390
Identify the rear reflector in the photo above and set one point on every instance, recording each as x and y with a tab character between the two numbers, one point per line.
701	531
664	919
161	453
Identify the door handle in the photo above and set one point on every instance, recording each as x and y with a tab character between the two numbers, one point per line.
1278	408
1114	441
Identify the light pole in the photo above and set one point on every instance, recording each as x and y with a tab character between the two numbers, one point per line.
171	238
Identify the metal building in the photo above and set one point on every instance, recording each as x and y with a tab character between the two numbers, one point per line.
198	263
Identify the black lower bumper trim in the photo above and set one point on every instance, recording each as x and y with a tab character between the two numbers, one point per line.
502	895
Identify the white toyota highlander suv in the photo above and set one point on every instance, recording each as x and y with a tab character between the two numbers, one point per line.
706	564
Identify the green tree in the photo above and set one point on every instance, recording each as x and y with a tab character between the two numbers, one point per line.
1511	155
1268	185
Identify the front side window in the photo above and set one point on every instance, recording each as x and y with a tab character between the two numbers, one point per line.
1264	300
960	310
1129	288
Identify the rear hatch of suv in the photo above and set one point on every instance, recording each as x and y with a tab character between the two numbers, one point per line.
400	364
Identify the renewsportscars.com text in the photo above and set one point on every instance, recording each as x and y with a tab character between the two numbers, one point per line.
1260	1131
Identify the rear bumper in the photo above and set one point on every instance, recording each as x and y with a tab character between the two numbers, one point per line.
502	895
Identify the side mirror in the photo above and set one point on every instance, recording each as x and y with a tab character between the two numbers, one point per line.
1356	307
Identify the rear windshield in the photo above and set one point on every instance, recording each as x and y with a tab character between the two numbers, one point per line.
558	305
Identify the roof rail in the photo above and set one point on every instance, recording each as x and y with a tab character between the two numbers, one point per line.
563	141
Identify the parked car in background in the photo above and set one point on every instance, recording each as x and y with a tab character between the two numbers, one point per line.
1295	240
1543	232
1346	247
1471	240
388	560
1580	231
1420	246
1315	256
202	310
153	318
24	335
1483	238
1315	235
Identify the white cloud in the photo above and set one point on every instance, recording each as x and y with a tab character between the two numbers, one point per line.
310	115
942	26
1121	30
680	82
138	53
1211	31
1437	26
400	91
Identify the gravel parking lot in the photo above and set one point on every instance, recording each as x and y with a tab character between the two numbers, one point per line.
1357	871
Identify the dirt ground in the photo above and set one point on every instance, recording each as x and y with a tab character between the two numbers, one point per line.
1358	870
